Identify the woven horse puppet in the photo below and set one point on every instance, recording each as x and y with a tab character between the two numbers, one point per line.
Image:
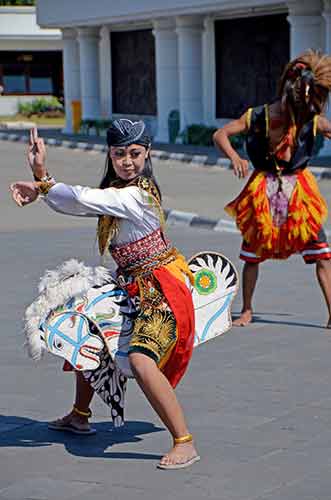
82	310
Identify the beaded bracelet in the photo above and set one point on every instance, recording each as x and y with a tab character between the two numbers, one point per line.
44	186
45	178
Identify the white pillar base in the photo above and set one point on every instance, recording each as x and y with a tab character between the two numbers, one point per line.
209	71
306	26
189	30
105	73
71	74
89	72
326	151
166	75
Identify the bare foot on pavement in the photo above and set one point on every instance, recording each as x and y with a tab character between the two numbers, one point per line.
245	318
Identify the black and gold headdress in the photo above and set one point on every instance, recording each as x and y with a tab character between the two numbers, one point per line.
121	133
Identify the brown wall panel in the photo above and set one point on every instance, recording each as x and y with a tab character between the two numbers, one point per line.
133	72
250	56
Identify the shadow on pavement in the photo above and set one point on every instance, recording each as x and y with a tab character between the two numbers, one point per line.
25	432
287	323
258	319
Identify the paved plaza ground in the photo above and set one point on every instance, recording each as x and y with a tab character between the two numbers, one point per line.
258	399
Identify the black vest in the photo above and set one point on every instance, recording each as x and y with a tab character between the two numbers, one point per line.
257	145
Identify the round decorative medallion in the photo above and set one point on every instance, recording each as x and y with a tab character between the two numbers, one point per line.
205	281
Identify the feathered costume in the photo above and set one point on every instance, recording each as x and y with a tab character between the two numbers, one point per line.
280	210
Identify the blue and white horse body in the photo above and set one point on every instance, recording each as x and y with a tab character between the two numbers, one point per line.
81	310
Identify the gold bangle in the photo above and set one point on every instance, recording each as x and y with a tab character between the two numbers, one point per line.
87	414
44	178
184	439
44	187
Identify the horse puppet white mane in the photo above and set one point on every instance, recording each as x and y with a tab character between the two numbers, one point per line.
56	287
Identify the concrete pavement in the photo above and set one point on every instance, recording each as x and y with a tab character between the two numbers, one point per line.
187	153
258	400
193	194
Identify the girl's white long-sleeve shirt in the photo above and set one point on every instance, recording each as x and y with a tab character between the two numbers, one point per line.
131	205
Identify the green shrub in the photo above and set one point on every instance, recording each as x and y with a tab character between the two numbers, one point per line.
98	125
202	135
43	106
237	141
17	2
198	135
25	108
173	125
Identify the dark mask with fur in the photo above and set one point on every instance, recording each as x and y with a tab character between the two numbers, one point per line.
306	82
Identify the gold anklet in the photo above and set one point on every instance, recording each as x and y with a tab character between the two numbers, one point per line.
87	414
185	439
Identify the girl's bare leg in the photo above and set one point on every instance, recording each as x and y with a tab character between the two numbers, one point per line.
249	278
323	272
83	398
163	399
84	393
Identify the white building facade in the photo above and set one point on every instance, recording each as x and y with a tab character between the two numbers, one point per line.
26	51
148	58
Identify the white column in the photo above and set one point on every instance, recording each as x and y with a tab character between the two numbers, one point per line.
306	25
327	49
167	86
189	31
327	26
89	72
327	31
209	71
105	73
71	74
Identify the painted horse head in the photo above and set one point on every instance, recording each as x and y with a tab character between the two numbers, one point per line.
78	311
69	334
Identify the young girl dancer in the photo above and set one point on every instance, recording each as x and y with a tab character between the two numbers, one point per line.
130	225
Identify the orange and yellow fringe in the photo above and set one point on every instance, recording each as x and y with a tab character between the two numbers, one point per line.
307	212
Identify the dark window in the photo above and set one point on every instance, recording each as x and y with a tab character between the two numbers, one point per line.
14	79
31	73
133	72
250	56
41	79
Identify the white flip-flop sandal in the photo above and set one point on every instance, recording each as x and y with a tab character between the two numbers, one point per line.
182	465
70	428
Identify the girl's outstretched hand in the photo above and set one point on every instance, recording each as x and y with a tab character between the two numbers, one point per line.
24	193
37	154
